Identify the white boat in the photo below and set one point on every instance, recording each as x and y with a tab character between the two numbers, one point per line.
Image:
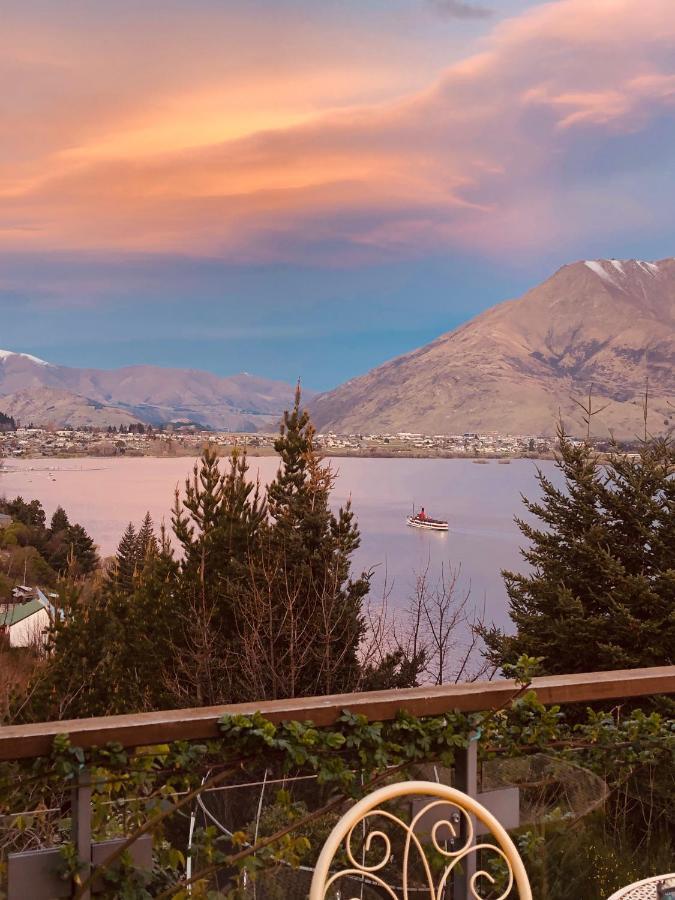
426	522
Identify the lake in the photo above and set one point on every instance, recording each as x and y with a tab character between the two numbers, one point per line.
479	501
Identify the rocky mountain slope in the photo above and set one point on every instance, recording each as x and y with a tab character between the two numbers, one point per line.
141	393
610	323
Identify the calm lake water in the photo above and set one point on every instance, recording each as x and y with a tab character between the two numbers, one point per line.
479	501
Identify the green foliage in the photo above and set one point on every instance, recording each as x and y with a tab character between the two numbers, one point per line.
601	590
31	514
16	534
25	564
397	669
126	559
218	525
83	556
103	649
600	594
6	586
310	624
587	859
145	789
60	521
147	545
257	603
62	548
57	546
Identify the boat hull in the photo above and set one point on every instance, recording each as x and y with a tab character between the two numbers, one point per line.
427	524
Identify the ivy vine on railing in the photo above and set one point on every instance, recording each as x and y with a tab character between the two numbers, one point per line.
152	790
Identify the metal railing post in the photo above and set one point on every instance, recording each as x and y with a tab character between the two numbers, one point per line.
81	819
466	780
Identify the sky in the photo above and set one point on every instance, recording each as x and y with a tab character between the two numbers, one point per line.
305	189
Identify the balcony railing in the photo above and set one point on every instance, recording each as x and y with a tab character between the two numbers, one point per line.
139	729
19	742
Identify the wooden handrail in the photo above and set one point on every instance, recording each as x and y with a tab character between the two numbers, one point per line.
138	729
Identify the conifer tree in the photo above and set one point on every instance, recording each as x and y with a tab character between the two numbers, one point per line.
141	622
59	521
305	619
126	560
218	525
146	542
600	592
217	521
31	514
84	558
57	547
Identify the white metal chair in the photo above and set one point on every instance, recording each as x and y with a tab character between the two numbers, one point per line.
648	889
460	809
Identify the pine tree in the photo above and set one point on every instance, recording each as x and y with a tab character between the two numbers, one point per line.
83	551
146	542
218	525
70	548
600	592
123	569
309	622
57	548
59	521
141	624
217	521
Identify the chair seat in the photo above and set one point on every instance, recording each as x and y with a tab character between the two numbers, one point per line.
643	890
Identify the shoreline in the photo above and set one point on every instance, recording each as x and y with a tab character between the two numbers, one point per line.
254	452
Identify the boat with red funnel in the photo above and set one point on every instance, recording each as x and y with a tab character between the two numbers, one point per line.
422	520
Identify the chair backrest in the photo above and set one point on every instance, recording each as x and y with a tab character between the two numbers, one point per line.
378	827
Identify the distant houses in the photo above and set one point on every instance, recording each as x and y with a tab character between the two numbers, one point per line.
5	520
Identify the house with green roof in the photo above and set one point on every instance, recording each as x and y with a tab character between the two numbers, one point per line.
23	624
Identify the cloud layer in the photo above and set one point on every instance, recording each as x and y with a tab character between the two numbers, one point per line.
557	124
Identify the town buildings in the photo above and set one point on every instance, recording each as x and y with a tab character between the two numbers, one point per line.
62	443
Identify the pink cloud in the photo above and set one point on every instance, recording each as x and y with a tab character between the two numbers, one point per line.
475	159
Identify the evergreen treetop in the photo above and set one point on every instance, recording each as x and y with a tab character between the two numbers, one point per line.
59	521
125	562
146	541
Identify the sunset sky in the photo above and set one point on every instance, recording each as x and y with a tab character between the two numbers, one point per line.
308	187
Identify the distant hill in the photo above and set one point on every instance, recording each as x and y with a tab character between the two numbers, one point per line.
50	406
607	322
149	394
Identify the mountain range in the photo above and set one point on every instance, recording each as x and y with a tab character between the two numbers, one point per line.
34	390
516	367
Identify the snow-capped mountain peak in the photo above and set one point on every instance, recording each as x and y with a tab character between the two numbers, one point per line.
10	354
611	269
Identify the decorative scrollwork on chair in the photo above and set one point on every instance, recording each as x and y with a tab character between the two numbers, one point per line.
432	880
